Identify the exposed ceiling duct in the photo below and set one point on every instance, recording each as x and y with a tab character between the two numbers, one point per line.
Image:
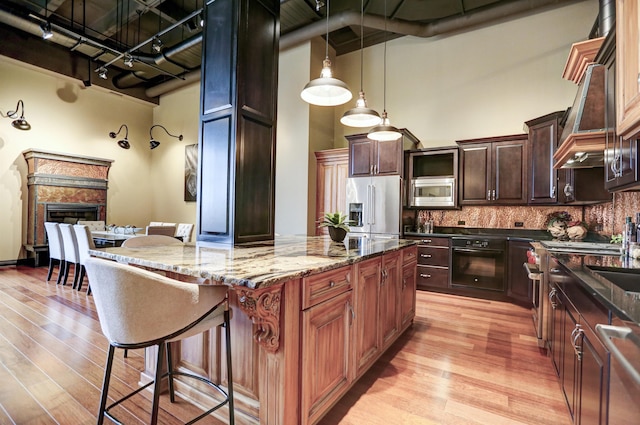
178	64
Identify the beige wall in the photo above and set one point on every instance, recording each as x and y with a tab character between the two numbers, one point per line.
480	83
66	117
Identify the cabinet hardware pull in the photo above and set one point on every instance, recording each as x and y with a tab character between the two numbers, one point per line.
493	194
577	348
353	313
426	255
552	294
488	195
553	192
426	241
332	284
425	275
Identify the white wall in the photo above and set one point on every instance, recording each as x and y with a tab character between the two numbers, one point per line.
480	83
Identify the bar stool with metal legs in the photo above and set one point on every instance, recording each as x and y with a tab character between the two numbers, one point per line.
139	309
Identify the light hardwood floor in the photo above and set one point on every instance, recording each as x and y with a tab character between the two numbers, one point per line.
464	361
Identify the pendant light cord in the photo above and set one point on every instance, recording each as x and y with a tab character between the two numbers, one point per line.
384	90
326	51
361	45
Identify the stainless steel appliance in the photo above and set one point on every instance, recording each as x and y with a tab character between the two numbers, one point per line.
374	205
433	192
478	262
538	292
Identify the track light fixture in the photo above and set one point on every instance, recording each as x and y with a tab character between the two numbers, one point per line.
326	90
45	27
128	60
156	45
123	143
19	123
102	72
154	143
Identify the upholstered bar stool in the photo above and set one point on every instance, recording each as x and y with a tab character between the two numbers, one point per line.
139	309
56	250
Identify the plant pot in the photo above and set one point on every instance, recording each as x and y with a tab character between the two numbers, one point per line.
337	234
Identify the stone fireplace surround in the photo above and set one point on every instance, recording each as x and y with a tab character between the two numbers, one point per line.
63	188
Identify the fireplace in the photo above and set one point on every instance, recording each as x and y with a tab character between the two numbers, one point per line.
63	188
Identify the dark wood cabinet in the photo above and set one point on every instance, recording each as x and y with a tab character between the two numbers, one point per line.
544	134
579	358
381	158
493	171
433	263
518	283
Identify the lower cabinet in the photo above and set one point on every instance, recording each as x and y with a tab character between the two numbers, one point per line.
349	317
579	358
518	283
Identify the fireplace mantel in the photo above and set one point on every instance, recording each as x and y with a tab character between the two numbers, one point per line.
55	178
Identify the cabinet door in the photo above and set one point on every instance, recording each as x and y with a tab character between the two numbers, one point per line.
509	172
326	354
627	68
570	364
543	139
361	156
518	284
408	294
388	158
390	288
594	378
331	182
556	330
475	174
367	313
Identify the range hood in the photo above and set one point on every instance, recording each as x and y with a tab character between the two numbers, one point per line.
582	143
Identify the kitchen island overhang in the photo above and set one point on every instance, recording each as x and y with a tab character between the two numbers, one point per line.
276	285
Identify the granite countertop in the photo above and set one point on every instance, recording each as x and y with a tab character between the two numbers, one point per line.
256	264
624	304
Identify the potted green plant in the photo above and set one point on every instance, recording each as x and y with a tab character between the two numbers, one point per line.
337	224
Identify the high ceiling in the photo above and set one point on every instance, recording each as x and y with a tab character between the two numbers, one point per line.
91	34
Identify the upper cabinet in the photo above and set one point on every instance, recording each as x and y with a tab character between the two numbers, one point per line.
378	158
627	68
332	167
544	133
493	171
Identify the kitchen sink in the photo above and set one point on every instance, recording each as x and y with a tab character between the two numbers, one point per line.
627	280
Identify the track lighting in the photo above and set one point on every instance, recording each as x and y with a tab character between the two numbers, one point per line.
154	143
102	72
156	45
45	27
128	60
123	143
19	123
326	90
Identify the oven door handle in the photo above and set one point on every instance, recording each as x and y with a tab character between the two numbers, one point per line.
607	332
479	251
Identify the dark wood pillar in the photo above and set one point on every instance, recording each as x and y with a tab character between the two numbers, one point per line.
238	99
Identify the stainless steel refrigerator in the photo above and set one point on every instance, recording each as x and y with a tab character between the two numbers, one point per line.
374	205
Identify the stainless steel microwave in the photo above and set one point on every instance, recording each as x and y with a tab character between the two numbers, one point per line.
433	192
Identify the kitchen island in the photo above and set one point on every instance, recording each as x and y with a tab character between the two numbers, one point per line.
310	317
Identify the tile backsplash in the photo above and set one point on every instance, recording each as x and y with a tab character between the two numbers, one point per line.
605	219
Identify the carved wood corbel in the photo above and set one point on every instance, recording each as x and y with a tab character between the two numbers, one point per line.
263	307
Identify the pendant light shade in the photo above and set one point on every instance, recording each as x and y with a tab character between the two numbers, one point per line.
384	131
361	115
326	90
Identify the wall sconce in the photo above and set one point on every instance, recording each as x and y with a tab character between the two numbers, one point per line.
20	123
124	143
154	143
156	45
128	60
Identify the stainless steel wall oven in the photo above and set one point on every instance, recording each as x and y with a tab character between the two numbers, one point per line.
478	262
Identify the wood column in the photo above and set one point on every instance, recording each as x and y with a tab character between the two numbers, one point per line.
236	172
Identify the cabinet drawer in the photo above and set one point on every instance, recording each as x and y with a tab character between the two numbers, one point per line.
432	277
323	286
433	241
433	256
409	255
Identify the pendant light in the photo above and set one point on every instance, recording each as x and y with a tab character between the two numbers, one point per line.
326	90
361	115
384	131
